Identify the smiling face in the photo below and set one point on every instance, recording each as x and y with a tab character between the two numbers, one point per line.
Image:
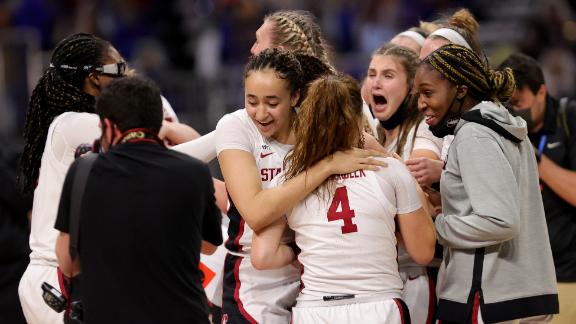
435	94
263	38
269	103
388	84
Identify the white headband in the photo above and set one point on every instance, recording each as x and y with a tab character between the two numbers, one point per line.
413	36
451	35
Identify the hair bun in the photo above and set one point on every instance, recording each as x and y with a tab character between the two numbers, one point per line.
502	84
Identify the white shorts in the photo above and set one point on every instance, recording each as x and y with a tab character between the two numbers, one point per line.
258	296
389	311
419	295
30	290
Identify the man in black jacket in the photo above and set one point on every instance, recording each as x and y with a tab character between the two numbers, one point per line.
552	130
147	213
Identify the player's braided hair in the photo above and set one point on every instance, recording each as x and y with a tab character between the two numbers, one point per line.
410	62
328	121
298	30
462	66
59	90
295	67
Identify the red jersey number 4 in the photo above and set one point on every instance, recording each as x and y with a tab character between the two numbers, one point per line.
345	213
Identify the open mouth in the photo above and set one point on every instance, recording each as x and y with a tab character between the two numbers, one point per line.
265	124
379	100
380	103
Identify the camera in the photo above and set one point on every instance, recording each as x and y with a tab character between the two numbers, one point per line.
53	297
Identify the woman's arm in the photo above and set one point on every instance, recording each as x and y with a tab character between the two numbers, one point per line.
203	148
491	190
416	226
221	195
67	266
177	133
260	208
267	251
418	234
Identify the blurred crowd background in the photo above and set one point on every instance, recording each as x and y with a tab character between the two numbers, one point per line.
196	49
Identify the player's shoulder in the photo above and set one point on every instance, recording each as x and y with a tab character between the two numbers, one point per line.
391	163
236	118
394	168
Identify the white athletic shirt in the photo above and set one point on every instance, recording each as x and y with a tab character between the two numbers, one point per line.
424	140
66	132
359	257
168	111
236	131
446	142
202	148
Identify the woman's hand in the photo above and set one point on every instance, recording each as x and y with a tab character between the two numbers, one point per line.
343	162
434	199
425	170
173	133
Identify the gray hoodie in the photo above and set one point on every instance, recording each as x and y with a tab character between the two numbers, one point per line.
496	250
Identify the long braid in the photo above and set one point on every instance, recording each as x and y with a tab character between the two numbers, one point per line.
298	30
462	66
59	90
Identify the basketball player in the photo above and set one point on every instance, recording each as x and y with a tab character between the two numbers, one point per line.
346	228
402	130
251	145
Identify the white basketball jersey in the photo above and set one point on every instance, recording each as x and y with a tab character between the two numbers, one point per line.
347	236
237	131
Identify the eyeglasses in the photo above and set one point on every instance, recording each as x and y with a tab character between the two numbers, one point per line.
114	70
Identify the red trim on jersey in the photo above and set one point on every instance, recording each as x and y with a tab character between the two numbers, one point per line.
237	292
240	233
61	283
476	308
431	300
401	309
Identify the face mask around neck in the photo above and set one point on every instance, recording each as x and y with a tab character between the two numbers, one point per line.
398	117
448	124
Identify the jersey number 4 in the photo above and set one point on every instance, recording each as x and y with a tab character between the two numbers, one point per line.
345	214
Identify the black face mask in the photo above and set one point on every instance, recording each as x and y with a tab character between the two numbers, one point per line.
448	124
398	117
526	114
